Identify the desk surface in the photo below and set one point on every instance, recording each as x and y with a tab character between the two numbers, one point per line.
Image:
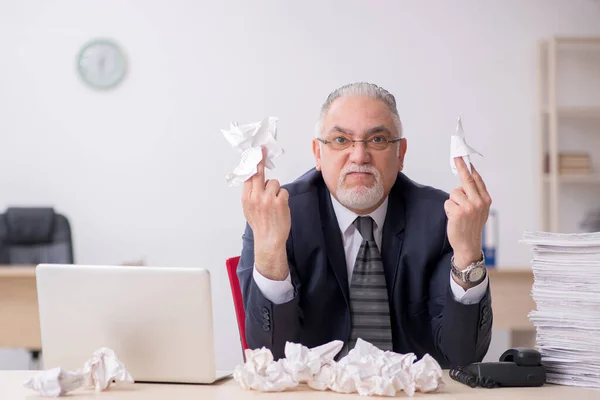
11	387
19	308
14	271
28	271
19	313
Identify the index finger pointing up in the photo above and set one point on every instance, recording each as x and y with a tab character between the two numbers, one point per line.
468	183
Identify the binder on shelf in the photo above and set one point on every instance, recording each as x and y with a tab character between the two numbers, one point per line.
570	163
489	239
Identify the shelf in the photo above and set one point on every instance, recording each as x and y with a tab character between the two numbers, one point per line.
576	112
559	117
576	178
577	40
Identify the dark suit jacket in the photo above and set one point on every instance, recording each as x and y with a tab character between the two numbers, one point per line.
416	257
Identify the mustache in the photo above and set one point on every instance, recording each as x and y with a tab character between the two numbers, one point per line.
369	169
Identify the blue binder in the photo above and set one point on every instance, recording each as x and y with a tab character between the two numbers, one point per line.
490	239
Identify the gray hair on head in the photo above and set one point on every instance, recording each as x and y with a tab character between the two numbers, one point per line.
361	89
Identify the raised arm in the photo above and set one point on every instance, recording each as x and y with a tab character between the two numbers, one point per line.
269	323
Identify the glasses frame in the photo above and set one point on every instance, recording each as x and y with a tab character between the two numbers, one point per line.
365	141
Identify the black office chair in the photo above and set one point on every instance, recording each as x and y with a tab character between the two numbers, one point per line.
34	235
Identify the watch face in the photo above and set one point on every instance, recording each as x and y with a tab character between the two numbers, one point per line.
476	274
101	64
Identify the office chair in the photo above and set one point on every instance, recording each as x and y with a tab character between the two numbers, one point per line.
34	235
238	302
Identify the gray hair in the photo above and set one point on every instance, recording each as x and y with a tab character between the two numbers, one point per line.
361	89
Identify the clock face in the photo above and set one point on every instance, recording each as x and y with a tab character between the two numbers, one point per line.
102	64
476	274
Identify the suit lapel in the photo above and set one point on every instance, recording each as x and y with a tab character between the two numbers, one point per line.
333	242
393	236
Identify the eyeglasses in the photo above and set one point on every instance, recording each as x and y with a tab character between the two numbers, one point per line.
377	142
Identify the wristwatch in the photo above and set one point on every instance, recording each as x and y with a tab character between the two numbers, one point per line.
473	274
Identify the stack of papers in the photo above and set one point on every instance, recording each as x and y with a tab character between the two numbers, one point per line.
566	290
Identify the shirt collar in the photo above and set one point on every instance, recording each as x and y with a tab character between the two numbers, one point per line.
346	217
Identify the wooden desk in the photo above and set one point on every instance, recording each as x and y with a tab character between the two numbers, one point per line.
19	316
511	298
511	302
11	387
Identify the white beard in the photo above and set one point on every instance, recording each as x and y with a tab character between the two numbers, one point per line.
359	197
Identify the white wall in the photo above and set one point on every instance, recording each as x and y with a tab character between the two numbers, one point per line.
140	170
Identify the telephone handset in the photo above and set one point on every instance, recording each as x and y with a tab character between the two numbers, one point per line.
517	367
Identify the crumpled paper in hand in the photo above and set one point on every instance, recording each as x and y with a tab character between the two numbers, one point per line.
98	372
247	139
366	370
460	148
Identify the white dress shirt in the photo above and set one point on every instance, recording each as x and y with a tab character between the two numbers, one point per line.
279	292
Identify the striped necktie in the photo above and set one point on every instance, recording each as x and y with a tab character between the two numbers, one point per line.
369	305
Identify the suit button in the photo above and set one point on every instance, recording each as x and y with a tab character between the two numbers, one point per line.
266	327
484	320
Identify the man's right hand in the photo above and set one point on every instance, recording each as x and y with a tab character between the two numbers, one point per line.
267	211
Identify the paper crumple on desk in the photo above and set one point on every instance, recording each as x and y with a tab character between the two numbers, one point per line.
460	148
103	368
98	373
365	370
248	139
55	382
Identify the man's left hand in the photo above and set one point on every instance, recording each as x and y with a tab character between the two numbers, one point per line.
467	211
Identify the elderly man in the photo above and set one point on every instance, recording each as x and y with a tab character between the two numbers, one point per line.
355	249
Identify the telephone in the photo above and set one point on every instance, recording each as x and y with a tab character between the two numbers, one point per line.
519	366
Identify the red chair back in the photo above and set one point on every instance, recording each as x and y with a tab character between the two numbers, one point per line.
238	302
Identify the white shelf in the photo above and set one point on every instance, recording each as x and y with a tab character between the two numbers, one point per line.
576	40
576	112
551	113
575	178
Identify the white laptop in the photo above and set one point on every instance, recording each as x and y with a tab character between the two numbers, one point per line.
158	320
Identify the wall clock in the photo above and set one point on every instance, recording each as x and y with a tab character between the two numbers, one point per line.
102	64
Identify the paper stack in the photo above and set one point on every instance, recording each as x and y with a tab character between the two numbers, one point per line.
566	290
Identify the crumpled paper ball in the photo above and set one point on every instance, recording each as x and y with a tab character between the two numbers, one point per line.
98	372
460	148
261	372
103	368
247	139
306	365
365	370
55	382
